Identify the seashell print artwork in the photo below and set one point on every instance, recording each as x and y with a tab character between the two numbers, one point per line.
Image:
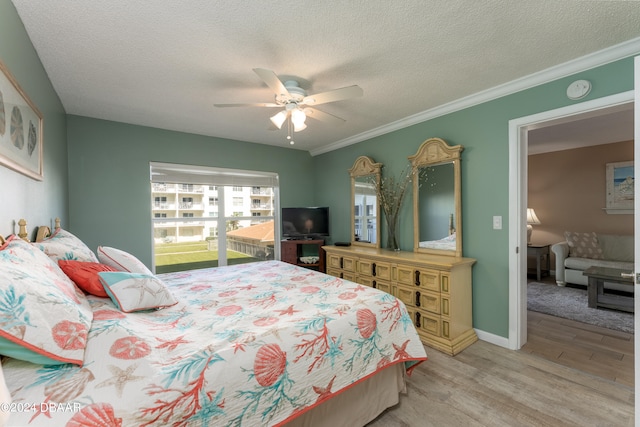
17	132
269	364
3	121
32	138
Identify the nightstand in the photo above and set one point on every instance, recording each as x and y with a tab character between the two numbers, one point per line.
539	252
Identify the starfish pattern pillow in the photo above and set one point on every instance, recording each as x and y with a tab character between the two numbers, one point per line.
136	292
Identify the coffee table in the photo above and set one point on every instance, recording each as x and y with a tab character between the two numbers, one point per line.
599	297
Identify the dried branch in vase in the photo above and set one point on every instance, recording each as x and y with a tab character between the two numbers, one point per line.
391	192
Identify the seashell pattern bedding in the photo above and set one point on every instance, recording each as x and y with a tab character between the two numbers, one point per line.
247	345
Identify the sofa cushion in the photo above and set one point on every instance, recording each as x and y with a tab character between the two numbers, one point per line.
576	263
618	248
583	245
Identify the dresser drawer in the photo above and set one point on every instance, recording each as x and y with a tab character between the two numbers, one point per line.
406	275
428	323
429	279
334	261
429	301
349	264
383	286
406	295
347	275
382	270
365	280
335	272
445	284
364	267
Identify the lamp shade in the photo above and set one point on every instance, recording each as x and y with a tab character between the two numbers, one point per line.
532	218
279	119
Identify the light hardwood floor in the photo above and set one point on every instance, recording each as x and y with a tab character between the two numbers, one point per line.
569	374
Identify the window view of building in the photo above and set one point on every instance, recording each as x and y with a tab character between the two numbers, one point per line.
205	225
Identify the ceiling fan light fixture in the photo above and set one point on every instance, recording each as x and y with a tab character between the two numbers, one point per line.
298	117
299	127
279	119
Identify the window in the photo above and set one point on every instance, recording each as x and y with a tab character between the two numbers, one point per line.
216	224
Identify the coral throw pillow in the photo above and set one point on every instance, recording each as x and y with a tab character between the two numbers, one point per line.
85	275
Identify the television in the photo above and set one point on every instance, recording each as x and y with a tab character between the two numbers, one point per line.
305	223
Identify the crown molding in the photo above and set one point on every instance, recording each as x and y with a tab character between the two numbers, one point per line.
592	60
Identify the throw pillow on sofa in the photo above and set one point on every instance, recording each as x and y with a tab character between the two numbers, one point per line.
583	245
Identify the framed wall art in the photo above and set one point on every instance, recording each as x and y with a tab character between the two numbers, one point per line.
620	187
20	128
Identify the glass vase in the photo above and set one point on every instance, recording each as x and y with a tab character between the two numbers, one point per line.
392	234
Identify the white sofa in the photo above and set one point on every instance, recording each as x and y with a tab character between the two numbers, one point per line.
617	252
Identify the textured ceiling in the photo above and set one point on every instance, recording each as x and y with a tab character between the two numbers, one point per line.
164	63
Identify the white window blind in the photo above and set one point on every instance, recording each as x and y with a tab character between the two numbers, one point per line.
204	175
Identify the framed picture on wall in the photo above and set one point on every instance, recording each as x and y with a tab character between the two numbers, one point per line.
20	128
620	187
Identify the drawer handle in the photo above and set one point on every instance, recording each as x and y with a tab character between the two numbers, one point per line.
373	269
417	278
375	285
418	320
341	263
417	299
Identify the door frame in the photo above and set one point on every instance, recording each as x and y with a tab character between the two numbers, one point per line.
518	168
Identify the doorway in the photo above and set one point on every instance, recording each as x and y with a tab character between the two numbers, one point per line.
518	153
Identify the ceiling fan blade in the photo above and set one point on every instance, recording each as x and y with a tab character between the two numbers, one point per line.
272	81
324	117
257	104
333	95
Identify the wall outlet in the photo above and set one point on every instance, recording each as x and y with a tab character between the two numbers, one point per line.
497	222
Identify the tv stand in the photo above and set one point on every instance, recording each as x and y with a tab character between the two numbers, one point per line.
293	250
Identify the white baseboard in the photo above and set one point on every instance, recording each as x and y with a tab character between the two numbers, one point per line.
492	338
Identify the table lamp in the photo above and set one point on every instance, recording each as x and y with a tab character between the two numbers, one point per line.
532	219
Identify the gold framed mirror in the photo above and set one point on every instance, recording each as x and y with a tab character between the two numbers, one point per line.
437	211
365	206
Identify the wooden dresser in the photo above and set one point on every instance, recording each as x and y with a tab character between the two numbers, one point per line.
436	289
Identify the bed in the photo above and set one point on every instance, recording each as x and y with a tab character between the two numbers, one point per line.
264	343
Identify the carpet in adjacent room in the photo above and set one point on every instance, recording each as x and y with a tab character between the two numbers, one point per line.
571	303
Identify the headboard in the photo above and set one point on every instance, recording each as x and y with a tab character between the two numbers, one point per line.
42	232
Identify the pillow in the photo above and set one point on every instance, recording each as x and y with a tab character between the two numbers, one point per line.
44	318
583	245
85	275
64	245
121	260
136	292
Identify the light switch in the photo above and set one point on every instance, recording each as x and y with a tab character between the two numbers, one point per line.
497	222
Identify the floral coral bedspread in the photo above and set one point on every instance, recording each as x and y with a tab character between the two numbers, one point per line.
253	344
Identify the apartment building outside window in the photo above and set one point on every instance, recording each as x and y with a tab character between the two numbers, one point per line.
215	216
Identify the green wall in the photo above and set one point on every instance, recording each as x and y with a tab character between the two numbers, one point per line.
483	131
96	172
109	189
20	196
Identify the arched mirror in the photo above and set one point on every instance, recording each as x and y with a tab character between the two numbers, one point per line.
365	218
437	213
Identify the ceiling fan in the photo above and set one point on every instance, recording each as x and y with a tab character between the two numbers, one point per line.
296	104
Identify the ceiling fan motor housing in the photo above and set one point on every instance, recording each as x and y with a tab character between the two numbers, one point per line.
296	93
